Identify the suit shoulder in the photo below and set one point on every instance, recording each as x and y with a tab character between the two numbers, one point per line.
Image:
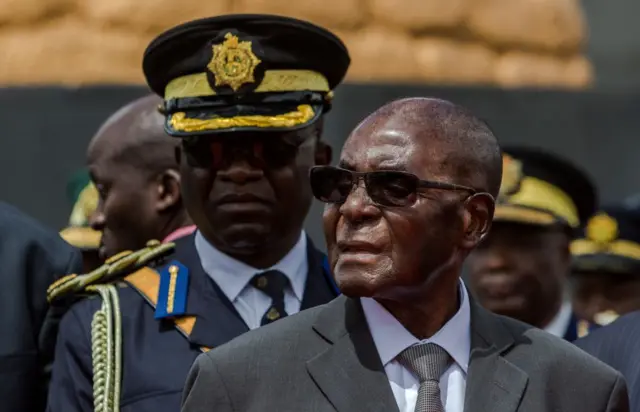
622	328
33	239
556	353
270	337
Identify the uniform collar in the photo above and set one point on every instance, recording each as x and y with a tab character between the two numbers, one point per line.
232	276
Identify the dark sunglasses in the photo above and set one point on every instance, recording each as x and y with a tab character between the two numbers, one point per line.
220	153
386	188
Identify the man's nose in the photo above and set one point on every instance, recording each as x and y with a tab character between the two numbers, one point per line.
358	206
240	171
97	220
493	258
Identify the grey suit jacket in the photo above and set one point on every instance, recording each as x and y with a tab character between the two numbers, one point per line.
324	359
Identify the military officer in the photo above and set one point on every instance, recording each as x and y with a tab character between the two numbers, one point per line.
247	95
606	265
79	232
133	166
523	266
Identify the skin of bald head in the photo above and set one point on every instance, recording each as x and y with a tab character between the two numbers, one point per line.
133	165
409	258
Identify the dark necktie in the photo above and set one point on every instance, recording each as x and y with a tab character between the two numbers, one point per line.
272	283
428	362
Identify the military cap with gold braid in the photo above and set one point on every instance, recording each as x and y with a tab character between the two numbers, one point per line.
85	197
539	188
244	73
610	242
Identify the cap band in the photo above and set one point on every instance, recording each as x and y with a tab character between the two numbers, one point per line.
537	202
197	85
303	114
623	248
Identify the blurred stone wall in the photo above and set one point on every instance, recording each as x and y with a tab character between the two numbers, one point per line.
510	43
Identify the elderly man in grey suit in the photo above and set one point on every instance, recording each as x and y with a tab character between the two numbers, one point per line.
412	196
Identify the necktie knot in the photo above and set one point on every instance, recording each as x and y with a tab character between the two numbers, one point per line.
271	282
427	361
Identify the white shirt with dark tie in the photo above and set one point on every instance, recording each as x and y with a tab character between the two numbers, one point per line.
391	338
234	277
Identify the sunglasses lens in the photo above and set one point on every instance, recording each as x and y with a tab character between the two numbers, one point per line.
392	188
277	153
220	153
330	185
197	153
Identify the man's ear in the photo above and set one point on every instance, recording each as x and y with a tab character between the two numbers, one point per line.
323	153
168	190
478	215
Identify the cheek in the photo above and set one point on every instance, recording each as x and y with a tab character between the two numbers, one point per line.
123	208
195	185
330	218
291	187
424	237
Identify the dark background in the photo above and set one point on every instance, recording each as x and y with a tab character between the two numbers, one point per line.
46	131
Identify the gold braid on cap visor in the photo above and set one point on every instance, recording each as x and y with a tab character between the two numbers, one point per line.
537	202
197	85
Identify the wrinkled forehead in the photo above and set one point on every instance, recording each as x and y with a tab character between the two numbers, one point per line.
387	148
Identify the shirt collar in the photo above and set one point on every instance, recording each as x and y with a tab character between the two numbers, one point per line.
180	232
232	276
560	323
391	338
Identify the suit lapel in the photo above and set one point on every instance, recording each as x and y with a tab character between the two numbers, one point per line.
217	321
318	289
493	383
349	373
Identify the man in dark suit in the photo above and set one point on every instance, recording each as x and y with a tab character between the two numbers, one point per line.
617	345
522	268
32	257
412	196
247	95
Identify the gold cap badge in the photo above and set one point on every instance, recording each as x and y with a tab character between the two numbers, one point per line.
602	228
511	176
233	62
85	206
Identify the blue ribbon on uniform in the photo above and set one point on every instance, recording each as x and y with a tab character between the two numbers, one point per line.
174	289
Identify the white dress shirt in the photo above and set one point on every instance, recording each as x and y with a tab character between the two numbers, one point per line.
559	325
233	277
391	338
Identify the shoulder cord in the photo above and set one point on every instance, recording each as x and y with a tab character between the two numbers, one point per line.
106	350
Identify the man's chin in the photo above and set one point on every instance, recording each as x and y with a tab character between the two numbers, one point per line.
244	239
355	286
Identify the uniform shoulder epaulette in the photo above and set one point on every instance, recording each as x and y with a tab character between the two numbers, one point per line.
114	268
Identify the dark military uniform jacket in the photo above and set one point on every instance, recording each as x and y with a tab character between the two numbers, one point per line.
32	257
156	356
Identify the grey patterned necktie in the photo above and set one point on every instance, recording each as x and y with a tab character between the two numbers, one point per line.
428	362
